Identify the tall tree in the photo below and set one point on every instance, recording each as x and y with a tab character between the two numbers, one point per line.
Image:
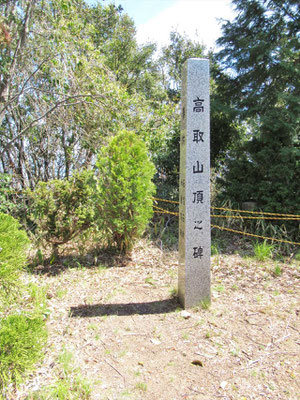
172	58
261	58
224	129
14	29
59	101
114	34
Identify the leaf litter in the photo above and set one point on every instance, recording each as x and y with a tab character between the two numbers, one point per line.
130	338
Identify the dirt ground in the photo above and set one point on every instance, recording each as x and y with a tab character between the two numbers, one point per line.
130	339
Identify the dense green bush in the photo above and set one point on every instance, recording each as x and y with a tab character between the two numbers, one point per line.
22	326
14	243
269	176
274	186
22	338
265	167
124	189
63	209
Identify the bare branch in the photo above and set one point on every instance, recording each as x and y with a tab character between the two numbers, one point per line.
16	96
6	81
63	103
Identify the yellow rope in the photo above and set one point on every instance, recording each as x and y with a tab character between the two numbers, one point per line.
256	212
235	210
247	217
230	216
164	211
166	201
161	209
251	234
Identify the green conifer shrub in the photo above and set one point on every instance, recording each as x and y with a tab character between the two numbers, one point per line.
63	209
22	326
22	338
14	243
124	189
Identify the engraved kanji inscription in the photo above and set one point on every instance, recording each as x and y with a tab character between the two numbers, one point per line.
198	136
198	105
198	168
198	252
198	197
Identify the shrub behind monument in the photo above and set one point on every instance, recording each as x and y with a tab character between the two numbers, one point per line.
124	189
62	209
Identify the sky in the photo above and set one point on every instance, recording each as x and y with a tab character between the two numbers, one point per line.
155	19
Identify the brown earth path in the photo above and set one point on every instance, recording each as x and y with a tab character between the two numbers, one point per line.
131	341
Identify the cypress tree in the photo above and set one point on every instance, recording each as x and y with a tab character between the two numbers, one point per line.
260	56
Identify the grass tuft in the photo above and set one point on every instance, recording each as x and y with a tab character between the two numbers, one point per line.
277	271
141	386
70	385
263	251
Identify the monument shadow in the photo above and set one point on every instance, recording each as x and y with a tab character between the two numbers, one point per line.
125	309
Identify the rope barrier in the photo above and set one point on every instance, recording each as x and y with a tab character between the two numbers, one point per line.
235	210
163	211
293	217
166	201
230	216
247	217
256	212
253	235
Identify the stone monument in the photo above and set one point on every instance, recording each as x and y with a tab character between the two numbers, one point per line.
194	193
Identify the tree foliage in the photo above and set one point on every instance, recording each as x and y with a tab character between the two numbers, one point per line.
73	76
260	55
22	325
62	209
22	340
14	244
114	35
59	100
225	129
6	205
172	59
124	189
261	49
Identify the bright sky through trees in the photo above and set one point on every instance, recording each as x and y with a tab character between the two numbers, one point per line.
155	19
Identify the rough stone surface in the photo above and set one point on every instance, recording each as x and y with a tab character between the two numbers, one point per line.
194	197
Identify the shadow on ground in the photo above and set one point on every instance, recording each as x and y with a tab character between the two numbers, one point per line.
125	309
93	259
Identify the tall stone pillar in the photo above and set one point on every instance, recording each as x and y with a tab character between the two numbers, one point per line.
194	191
